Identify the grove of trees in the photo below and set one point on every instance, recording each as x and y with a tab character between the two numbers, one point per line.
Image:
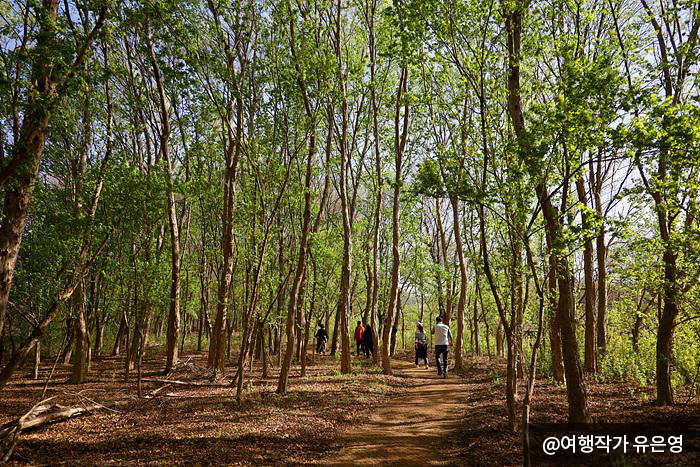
223	175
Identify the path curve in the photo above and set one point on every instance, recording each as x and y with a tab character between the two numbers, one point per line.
411	429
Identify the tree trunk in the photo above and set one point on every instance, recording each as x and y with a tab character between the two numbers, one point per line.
667	324
296	292
80	363
557	363
602	294
499	340
37	358
344	299
445	266
232	151
400	137
379	179
173	333
123	331
336	332
477	343
589	287
511	382
459	364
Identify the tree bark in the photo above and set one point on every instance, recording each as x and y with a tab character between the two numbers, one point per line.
477	342
445	266
601	254
589	360
459	364
379	180
346	272
173	333
400	137
232	151
295	294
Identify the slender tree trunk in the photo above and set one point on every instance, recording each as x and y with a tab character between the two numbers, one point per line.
530	387
80	364
459	364
123	331
379	179
557	363
80	354
667	324
346	272
173	332
589	287
336	332
400	136
37	358
232	151
601	254
477	343
445	266
296	292
499	340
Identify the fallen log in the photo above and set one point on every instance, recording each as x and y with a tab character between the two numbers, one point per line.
44	413
49	413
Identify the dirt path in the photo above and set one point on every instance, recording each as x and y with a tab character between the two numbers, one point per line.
411	429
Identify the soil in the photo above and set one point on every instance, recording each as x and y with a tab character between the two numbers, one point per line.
411	418
410	429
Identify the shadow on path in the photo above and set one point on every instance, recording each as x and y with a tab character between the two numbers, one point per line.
411	429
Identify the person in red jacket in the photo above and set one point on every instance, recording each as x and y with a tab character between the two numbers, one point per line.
359	331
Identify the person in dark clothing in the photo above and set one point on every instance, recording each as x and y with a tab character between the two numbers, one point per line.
368	341
421	345
321	339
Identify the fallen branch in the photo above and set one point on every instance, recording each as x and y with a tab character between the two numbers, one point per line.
184	383
154	393
87	399
42	414
45	414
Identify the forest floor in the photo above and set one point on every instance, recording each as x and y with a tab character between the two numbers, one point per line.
411	418
413	428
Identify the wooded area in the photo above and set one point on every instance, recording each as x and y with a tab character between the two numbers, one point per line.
198	184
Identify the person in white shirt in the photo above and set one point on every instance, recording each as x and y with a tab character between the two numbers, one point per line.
443	340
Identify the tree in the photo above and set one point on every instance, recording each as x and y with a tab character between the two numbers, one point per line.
52	73
575	384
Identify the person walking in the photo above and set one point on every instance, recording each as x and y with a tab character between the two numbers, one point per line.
443	340
321	338
359	330
421	345
368	341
